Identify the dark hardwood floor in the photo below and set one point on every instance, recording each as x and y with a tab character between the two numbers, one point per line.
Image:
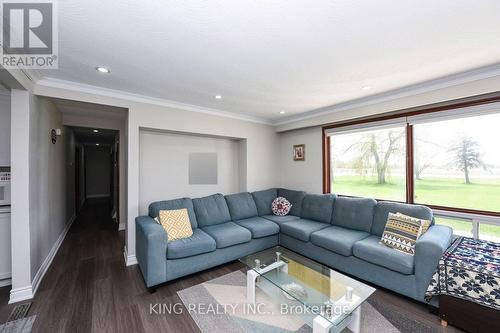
89	289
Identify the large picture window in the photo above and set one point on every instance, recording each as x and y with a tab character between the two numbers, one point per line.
444	157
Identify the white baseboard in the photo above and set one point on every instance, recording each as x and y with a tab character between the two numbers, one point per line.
97	196
50	257
130	259
121	226
6	275
21	294
5	282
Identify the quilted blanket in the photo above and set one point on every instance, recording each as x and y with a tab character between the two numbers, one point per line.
469	269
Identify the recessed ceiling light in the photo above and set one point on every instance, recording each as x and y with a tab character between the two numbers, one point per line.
282	112
366	88
96	131
97	144
102	69
218	97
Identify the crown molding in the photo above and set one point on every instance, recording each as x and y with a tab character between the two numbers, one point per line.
127	96
411	90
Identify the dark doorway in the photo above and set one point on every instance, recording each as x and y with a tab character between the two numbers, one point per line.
79	184
97	168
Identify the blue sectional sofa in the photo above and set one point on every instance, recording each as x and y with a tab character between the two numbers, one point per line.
340	232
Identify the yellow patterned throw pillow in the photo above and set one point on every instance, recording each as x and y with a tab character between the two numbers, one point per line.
176	223
402	232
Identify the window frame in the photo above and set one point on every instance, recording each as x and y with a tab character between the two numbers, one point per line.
410	179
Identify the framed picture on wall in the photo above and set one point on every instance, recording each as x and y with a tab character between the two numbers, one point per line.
299	152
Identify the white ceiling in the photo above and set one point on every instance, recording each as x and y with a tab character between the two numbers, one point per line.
87	136
264	56
76	108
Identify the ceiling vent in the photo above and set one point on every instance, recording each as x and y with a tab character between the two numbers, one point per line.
27	75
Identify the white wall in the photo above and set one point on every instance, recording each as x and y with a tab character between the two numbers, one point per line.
20	196
40	209
242	163
48	211
4	130
301	175
261	149
164	166
98	171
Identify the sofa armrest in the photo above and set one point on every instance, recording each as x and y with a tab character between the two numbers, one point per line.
428	250
151	248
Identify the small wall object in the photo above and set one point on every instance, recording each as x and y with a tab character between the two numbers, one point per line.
202	168
299	152
54	133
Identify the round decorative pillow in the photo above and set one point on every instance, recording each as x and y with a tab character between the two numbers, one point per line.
281	206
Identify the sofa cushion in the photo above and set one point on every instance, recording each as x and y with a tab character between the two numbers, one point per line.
259	227
318	207
302	229
369	249
198	243
383	209
155	207
264	199
295	198
211	210
337	239
228	234
281	219
241	206
354	213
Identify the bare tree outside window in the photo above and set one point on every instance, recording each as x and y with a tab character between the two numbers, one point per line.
466	156
374	150
370	163
456	163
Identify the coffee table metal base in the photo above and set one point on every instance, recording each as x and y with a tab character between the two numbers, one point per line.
253	274
320	324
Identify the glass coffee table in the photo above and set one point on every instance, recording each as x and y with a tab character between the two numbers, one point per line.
328	300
